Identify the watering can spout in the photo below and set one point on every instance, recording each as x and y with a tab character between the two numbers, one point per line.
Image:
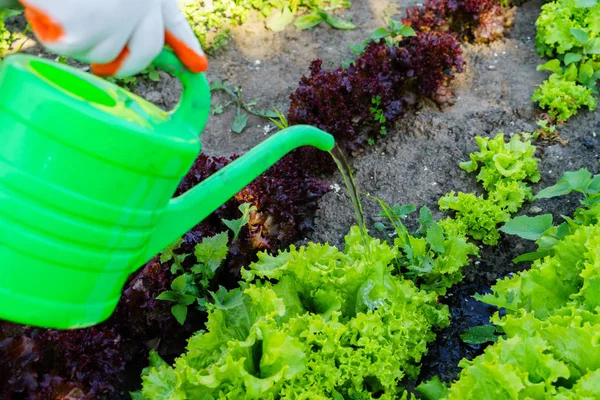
187	210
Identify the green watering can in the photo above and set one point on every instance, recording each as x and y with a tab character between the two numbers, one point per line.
87	175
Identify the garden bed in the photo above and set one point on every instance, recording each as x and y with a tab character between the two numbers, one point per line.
417	162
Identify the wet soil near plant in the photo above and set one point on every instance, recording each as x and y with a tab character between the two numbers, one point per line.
417	162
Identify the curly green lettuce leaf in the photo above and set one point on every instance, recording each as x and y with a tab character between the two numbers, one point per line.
448	265
554	280
475	217
433	389
553	35
550	358
589	294
563	98
502	162
162	383
514	368
228	360
377	349
325	278
510	196
586	388
592	20
234	318
572	337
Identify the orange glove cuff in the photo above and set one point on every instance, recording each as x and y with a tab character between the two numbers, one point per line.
42	24
193	61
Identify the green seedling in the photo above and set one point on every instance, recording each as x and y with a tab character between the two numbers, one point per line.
546	125
317	16
243	108
378	114
211	22
236	225
179	294
192	286
281	122
392	34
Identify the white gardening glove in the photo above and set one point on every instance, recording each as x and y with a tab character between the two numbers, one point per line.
119	37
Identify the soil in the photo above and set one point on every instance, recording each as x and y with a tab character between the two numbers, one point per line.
417	162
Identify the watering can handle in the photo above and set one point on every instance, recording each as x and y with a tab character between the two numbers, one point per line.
194	106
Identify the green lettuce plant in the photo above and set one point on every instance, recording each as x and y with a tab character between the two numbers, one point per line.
550	313
568	32
504	170
558	19
563	98
309	323
192	284
552	323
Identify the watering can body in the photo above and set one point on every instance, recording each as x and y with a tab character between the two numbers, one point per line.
87	175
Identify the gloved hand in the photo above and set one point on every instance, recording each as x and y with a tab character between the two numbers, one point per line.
119	37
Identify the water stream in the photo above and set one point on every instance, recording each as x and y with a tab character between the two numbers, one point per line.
344	167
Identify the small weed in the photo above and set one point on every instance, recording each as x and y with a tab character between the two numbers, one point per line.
243	108
377	113
281	122
392	34
547	131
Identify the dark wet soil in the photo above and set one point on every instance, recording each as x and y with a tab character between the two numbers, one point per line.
445	354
